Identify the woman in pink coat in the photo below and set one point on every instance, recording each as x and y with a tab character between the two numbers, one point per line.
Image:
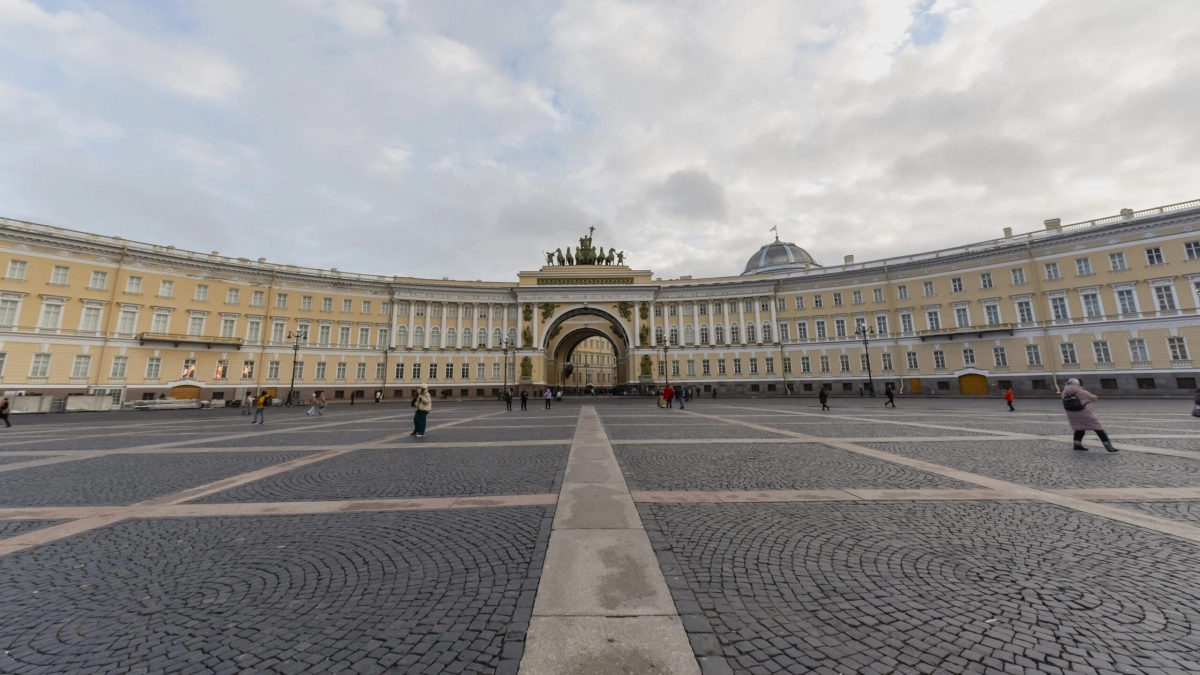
1078	403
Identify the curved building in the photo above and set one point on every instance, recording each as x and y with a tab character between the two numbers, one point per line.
1112	301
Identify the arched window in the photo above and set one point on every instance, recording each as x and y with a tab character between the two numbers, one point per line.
658	335
689	334
512	337
419	337
703	334
402	337
734	333
674	335
750	333
719	332
497	338
466	338
451	338
435	338
767	331
483	338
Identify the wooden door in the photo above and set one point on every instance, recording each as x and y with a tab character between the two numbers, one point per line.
973	385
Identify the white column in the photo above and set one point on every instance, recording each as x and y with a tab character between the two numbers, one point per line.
774	320
504	325
758	320
395	324
458	338
412	311
520	326
475	325
653	323
711	325
444	306
428	313
741	307
534	329
491	313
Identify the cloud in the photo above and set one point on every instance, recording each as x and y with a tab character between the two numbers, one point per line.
462	138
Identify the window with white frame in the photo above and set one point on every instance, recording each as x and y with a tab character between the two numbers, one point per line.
674	335
1192	249
127	321
1018	276
1083	266
153	368
324	331
735	333
1058	308
51	319
320	374
59	275
844	362
364	337
166	289
40	365
8	312
161	323
348	306
824	364
228	326
801	330
887	361
1164	295
704	334
1091	305
1178	348
939	359
878	295
272	370
1067	350
1138	351
1033	355
281	300
196	324
435	338
1101	351
839	327
1025	311
968	357
767	335
817	301
902	292
985	280
340	370
689	334
90	321
1052	272
366	308
881	324
82	366
306	303
1000	357
360	371
837	299
799	303
961	318
991	313
222	371
863	360
99	281
805	364
933	319
16	270
928	286
956	286
189	369
1127	301
258	299
201	293
1116	262
858	297
911	358
1154	256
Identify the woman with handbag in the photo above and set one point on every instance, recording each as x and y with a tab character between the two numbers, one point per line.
1077	401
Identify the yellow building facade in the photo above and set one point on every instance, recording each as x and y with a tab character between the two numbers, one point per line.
1113	301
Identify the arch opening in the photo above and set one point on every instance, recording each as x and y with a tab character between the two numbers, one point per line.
587	346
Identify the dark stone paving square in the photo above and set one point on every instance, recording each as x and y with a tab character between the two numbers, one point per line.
392	473
85	443
417	592
1165	443
1184	511
461	434
1014	427
996	587
17	459
773	466
347	436
127	479
866	430
11	528
700	429
1053	464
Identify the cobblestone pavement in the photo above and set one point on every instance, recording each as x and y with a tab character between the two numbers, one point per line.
190	542
412	472
777	466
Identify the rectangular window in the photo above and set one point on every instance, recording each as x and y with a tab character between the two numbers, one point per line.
366	308
385	334
912	360
1165	297
801	330
821	334
326	304
189	369
323	333
233	296
805	364
306	303
906	323
839	326
228	326
858	297
281	300
90	322
82	365
780	304
8	313
787	364
298	370
222	370
1178	348
968	357
1116	262
258	299
196	325
40	366
1033	355
824	364
364	336
961	318
720	366
153	368
985	280
1091	305
201	293
99	281
799	302
1101	352
16	272
992	314
254	330
818	301
1154	256
770	365
480	371
272	370
784	329
887	361
704	368
753	366
466	370
126	321
844	362
933	319
902	291
1052	271
881	324
1083	266
340	370
1126	301
247	370
166	289
1025	311
878	295
416	372
348	306
1068	353
1000	357
320	374
737	366
956	286
939	359
691	367
1058	308
862	362
51	316
59	276
1137	350
1192	249
928	288
1018	276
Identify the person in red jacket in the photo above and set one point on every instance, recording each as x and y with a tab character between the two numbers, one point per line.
1008	398
669	395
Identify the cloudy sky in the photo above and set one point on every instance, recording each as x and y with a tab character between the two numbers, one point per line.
462	138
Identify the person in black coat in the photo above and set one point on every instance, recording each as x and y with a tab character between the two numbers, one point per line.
823	397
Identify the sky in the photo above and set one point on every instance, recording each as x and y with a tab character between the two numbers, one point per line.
463	138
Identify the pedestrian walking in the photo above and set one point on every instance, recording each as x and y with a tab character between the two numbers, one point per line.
823	397
524	399
549	397
423	402
508	399
320	404
378	396
891	397
1008	398
312	402
260	405
248	404
679	396
714	391
4	411
1077	401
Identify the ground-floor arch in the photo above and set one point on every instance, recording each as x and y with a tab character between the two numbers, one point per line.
568	332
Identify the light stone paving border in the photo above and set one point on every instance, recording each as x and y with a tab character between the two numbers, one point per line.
1012	490
161	506
602	605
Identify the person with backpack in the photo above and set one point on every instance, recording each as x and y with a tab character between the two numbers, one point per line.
260	411
823	397
1077	402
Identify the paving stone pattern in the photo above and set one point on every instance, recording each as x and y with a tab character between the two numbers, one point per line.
126	479
411	472
775	466
460	434
346	436
1166	443
416	593
1053	464
1181	511
85	443
866	430
700	428
16	459
998	587
11	528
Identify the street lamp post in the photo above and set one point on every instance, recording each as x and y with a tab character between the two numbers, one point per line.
666	350
295	358
865	333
